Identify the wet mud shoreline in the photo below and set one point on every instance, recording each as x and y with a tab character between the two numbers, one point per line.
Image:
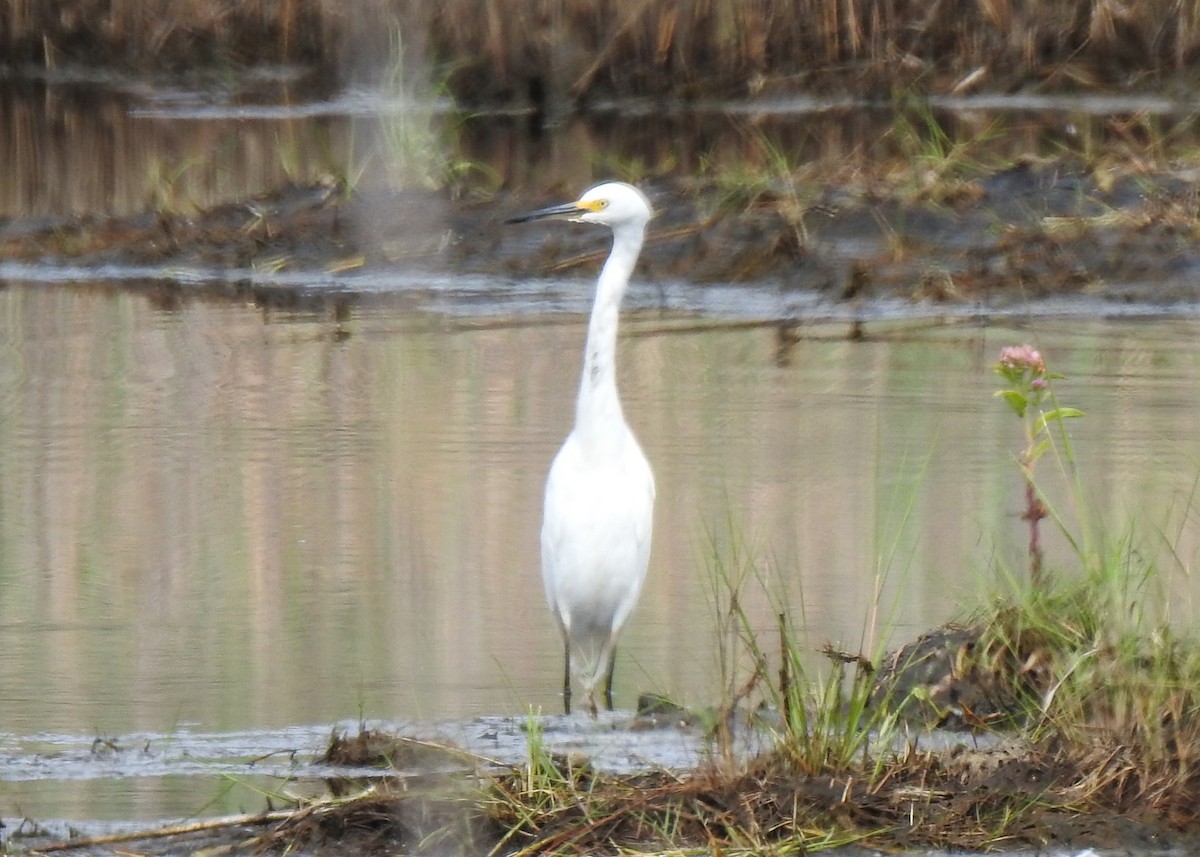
1021	234
395	793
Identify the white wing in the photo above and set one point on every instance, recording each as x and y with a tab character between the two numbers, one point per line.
596	534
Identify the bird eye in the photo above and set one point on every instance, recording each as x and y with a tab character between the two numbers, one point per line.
603	203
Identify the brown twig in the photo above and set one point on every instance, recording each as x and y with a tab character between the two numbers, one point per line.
164	832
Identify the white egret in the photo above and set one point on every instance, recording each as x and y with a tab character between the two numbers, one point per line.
599	504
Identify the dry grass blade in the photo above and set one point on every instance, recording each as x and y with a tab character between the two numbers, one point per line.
177	830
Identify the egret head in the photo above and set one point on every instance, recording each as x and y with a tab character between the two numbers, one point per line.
613	204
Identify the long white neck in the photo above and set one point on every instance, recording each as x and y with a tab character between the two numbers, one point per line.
599	405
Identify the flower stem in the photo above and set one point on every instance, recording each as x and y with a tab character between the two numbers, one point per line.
1035	510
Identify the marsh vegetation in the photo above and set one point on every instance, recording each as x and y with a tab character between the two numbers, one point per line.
540	53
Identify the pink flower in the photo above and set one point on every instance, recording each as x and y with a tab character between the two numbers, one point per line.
1023	358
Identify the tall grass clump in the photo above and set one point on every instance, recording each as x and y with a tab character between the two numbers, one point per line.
936	161
414	143
824	721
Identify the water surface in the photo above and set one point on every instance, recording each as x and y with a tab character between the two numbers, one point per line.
229	518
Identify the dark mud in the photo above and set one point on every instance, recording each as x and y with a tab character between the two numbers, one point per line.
429	793
1007	239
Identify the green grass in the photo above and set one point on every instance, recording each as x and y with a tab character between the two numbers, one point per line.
822	720
415	144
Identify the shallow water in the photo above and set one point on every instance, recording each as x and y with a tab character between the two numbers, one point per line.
220	519
96	786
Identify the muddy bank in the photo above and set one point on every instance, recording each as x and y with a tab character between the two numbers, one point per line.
950	800
1024	233
1009	793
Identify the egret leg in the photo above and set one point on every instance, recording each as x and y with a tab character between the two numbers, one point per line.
608	678
567	677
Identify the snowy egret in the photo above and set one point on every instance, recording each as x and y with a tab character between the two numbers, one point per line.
599	505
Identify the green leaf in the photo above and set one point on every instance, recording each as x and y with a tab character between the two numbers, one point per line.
1056	414
1037	452
1015	400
